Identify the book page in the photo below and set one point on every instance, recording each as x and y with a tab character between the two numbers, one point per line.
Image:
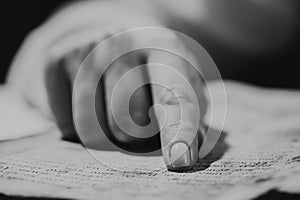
66	170
252	156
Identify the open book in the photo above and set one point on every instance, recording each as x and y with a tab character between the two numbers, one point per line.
258	150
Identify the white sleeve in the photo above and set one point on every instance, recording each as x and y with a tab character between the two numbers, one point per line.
17	118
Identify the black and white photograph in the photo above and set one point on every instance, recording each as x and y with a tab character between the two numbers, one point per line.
150	99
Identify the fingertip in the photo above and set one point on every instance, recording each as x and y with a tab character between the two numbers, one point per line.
181	156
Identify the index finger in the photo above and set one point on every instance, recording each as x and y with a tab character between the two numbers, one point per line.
177	92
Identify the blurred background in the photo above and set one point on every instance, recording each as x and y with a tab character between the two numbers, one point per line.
268	23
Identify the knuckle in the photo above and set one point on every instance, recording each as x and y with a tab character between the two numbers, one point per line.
173	95
170	131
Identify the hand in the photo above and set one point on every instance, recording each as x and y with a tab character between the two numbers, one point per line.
180	136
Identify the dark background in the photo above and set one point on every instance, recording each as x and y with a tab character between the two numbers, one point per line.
280	69
18	18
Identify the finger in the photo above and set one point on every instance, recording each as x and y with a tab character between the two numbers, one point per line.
88	84
179	135
60	77
135	140
59	93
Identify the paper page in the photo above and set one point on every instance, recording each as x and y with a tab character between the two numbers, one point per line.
251	157
66	170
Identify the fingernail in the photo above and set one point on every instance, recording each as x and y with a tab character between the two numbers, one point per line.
180	155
